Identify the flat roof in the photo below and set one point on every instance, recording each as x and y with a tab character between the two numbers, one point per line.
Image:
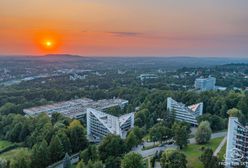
75	107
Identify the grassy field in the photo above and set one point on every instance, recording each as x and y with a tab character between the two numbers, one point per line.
4	144
193	152
13	153
222	152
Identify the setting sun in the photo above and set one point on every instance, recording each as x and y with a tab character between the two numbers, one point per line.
48	43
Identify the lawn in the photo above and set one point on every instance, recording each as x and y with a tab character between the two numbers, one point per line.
4	144
193	152
222	152
13	153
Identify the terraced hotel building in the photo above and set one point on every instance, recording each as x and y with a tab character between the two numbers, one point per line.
100	124
185	113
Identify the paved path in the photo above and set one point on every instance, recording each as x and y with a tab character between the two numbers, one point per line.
217	150
147	144
150	152
74	159
149	162
193	130
157	165
218	134
214	135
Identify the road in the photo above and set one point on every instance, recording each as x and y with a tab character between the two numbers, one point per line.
150	152
214	135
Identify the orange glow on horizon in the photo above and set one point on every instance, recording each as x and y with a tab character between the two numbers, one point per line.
48	41
48	44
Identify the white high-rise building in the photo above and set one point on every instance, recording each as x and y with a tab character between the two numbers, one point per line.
205	84
184	113
237	144
100	124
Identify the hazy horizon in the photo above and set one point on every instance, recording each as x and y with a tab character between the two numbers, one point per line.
106	56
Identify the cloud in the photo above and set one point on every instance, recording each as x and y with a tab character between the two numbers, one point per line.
126	34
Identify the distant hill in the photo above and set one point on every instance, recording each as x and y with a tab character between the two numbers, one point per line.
170	63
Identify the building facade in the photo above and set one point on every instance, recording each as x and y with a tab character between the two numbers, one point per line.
143	77
205	84
237	144
100	124
184	113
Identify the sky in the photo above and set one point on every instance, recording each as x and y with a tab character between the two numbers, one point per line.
217	28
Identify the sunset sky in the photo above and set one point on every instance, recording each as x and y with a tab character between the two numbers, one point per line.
124	27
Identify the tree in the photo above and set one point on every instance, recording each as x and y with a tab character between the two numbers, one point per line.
232	99
113	162
75	123
206	157
208	160
41	120
111	145
56	117
45	132
173	159
8	108
64	140
81	164
216	122
67	161
21	160
14	133
132	160
134	137
181	134
141	117
234	112
159	133
203	133
138	132
24	132
40	155
91	153
132	140
96	164
77	138
56	149
243	105
3	163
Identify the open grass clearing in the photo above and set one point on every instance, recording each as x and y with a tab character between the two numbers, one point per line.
194	151
4	144
13	153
